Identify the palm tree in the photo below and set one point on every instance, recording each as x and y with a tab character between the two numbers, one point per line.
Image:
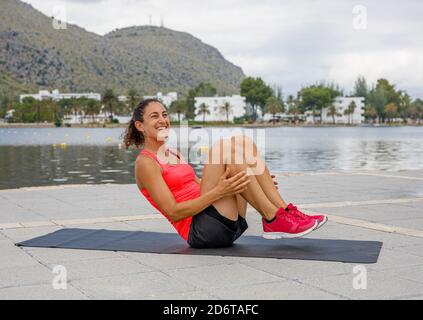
109	99
352	108
226	109
314	113
295	111
333	112
274	106
347	112
203	109
179	106
92	108
133	97
291	102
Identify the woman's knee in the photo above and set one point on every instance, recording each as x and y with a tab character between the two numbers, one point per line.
243	149
242	140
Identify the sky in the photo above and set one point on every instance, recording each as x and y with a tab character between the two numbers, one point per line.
288	43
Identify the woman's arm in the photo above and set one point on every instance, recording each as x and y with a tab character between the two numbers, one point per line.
148	173
198	180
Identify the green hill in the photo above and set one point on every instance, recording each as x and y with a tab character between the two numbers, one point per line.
35	55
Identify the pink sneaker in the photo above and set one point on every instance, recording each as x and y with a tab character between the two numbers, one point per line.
293	210
287	226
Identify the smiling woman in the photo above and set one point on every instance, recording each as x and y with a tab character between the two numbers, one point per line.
211	212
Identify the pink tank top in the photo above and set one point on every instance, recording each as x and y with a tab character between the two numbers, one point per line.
180	179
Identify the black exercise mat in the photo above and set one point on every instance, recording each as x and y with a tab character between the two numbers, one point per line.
348	251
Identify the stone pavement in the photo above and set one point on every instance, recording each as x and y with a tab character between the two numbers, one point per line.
379	206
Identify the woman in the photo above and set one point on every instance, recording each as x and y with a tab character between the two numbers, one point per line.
209	213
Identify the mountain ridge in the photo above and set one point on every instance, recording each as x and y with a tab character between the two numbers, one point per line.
146	58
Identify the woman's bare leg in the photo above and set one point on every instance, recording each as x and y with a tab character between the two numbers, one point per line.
264	178
242	205
221	157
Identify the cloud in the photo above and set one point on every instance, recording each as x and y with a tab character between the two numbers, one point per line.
289	43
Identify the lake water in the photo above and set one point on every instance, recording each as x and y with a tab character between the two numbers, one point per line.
40	157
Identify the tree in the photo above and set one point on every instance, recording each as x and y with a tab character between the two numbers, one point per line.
4	105
378	101
67	107
404	105
133	98
26	111
382	95
351	110
274	106
317	97
203	110
205	89
110	101
370	112
415	111
360	88
295	111
333	112
93	108
256	93
179	106
202	90
226	109
391	110
389	91
293	107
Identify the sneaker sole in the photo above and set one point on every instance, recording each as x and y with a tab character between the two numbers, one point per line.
284	235
321	224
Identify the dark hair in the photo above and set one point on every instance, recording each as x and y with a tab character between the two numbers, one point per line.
132	136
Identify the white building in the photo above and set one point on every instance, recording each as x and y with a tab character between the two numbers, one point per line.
56	96
166	99
123	99
341	104
102	117
237	108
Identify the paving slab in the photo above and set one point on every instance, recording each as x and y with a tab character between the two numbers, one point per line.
99	268
379	286
136	286
413	249
176	261
222	276
41	292
61	256
181	296
28	275
27	272
279	290
393	214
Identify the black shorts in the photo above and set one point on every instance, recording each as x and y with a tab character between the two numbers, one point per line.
209	229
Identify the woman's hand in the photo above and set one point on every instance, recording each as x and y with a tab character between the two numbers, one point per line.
233	185
274	181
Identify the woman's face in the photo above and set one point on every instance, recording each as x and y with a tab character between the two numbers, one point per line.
156	123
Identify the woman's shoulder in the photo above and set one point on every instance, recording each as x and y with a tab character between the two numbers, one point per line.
145	160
